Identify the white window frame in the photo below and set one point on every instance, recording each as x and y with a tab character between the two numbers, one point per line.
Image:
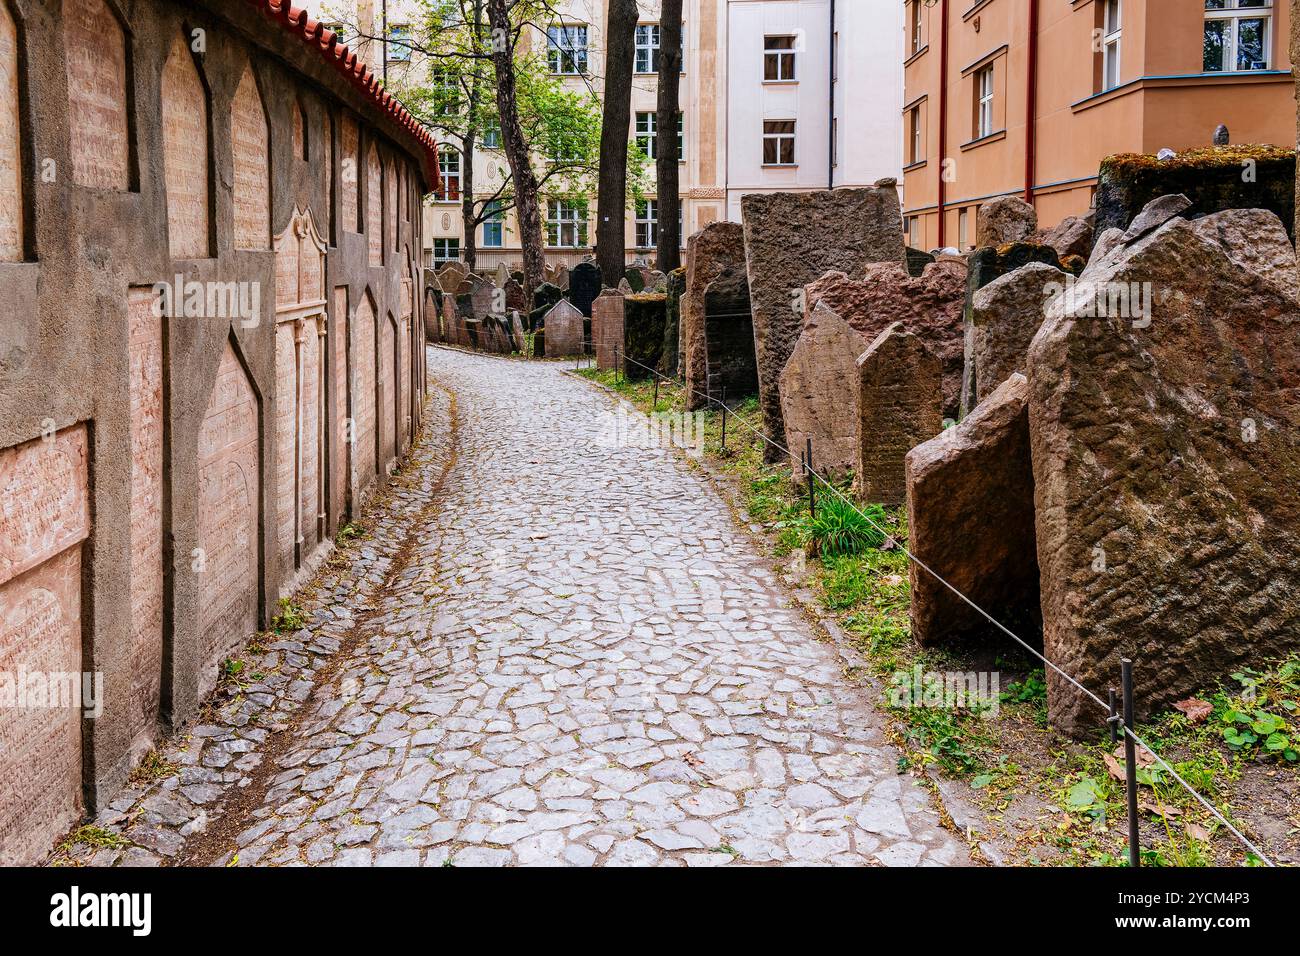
397	48
1112	31
563	216
647	133
450	250
916	28
448	85
496	220
647	49
963	228
1233	13
779	138
647	223
984	102
491	135
785	58
914	135
449	172
563	49
681	136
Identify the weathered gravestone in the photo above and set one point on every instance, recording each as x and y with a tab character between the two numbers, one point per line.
515	299
485	297
1004	219
1166	456
675	287
584	286
1072	236
502	275
819	394
712	250
635	279
970	520
929	306
451	275
544	296
449	316
1003	317
563	330
899	406
643	333
917	260
656	281
607	329
790	240
729	336
432	324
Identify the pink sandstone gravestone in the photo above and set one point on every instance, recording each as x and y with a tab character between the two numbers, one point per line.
249	143
185	154
95	49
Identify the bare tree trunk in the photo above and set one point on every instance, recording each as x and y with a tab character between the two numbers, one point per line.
516	147
611	198
470	251
670	69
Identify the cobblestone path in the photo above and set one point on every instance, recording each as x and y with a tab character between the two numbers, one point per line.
566	652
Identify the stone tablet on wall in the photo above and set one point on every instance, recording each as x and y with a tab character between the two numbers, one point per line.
374	207
350	177
340	443
900	405
11	156
819	394
227	564
185	154
250	143
790	240
95	49
387	409
363	398
44	518
145	387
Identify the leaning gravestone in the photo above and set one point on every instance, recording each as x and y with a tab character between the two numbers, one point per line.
563	325
635	279
899	406
643	333
1004	219
485	297
970	520
515	299
607	329
584	286
1166	453
929	305
819	394
675	286
1003	318
790	240
502	275
711	251
1072	236
729	336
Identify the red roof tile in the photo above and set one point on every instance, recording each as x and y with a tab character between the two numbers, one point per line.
326	42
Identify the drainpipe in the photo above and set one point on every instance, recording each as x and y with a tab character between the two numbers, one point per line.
1031	86
830	157
943	112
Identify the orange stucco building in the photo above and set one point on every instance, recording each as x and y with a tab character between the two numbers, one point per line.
1097	76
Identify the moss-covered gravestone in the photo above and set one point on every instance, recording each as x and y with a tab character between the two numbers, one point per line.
643	332
676	285
1213	178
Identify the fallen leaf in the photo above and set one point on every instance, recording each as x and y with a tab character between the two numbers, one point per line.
1114	766
1195	709
1160	811
1197	832
1144	757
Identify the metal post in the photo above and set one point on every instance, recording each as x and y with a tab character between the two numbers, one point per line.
1130	763
655	406
812	495
1113	720
618	366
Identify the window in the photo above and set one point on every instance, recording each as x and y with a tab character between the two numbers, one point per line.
492	133
1110	37
778	58
1237	35
446	250
681	137
566	224
446	93
984	102
647	48
494	225
963	228
913	228
914	29
646	137
399	40
449	170
647	223
339	30
566	50
914	147
778	142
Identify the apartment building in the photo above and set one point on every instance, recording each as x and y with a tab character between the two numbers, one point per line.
1026	97
775	94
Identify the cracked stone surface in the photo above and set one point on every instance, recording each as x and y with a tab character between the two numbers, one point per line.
569	655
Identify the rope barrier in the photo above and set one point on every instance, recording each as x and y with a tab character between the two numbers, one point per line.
985	614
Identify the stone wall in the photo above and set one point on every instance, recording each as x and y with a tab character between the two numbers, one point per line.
204	366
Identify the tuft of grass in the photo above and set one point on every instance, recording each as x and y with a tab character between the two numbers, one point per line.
349	531
290	618
96	837
839	528
152	767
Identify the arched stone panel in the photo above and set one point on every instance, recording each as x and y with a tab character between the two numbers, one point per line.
350	172
250	144
44	518
390	205
11	153
95	52
185	155
227	562
340	444
374	206
363	396
387	391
